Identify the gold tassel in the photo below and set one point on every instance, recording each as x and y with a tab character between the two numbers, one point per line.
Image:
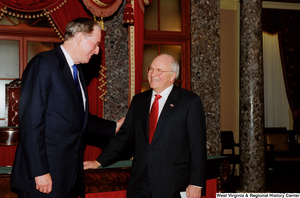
128	13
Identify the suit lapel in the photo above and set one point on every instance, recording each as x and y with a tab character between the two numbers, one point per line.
166	113
68	78
69	81
86	96
145	107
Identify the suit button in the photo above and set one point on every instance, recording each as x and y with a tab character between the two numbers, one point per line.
76	152
149	149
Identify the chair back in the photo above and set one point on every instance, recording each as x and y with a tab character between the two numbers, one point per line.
297	138
280	140
13	90
278	137
227	141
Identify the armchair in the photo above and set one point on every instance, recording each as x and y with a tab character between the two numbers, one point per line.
228	143
282	148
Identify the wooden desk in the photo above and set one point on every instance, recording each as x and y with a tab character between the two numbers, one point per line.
116	177
111	178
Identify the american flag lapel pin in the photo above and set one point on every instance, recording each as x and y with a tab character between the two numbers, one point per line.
171	105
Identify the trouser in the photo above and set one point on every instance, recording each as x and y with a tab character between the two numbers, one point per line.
144	189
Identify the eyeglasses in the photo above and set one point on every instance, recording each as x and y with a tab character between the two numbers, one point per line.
97	44
157	71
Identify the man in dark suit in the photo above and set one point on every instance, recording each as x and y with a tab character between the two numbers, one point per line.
53	114
174	160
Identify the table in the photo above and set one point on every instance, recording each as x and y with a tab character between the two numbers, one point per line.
9	138
112	181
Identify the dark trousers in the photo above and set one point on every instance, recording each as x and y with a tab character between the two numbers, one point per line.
74	192
144	190
23	194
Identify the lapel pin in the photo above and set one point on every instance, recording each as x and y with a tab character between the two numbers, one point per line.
171	105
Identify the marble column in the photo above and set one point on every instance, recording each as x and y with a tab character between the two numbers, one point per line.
116	56
252	153
205	65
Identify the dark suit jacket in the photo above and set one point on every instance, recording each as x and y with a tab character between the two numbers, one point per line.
51	126
177	155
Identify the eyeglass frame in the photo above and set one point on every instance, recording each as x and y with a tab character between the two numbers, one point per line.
97	44
157	71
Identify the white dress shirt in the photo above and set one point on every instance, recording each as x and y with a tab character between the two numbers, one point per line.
71	63
161	102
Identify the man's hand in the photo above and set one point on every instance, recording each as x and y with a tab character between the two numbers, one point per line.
44	183
193	191
91	164
119	124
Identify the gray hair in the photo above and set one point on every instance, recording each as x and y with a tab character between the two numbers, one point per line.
175	67
83	25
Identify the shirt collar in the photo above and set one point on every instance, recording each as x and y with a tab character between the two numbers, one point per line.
68	57
165	92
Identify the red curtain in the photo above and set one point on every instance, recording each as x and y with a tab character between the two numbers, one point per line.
286	24
71	10
139	45
289	50
30	5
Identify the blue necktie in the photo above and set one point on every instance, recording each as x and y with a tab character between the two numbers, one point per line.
75	76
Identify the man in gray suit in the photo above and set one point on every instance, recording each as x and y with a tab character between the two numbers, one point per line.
173	159
53	114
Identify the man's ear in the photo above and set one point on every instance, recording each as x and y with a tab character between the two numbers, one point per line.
173	76
79	36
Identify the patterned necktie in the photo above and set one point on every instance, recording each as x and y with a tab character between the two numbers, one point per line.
79	94
153	117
